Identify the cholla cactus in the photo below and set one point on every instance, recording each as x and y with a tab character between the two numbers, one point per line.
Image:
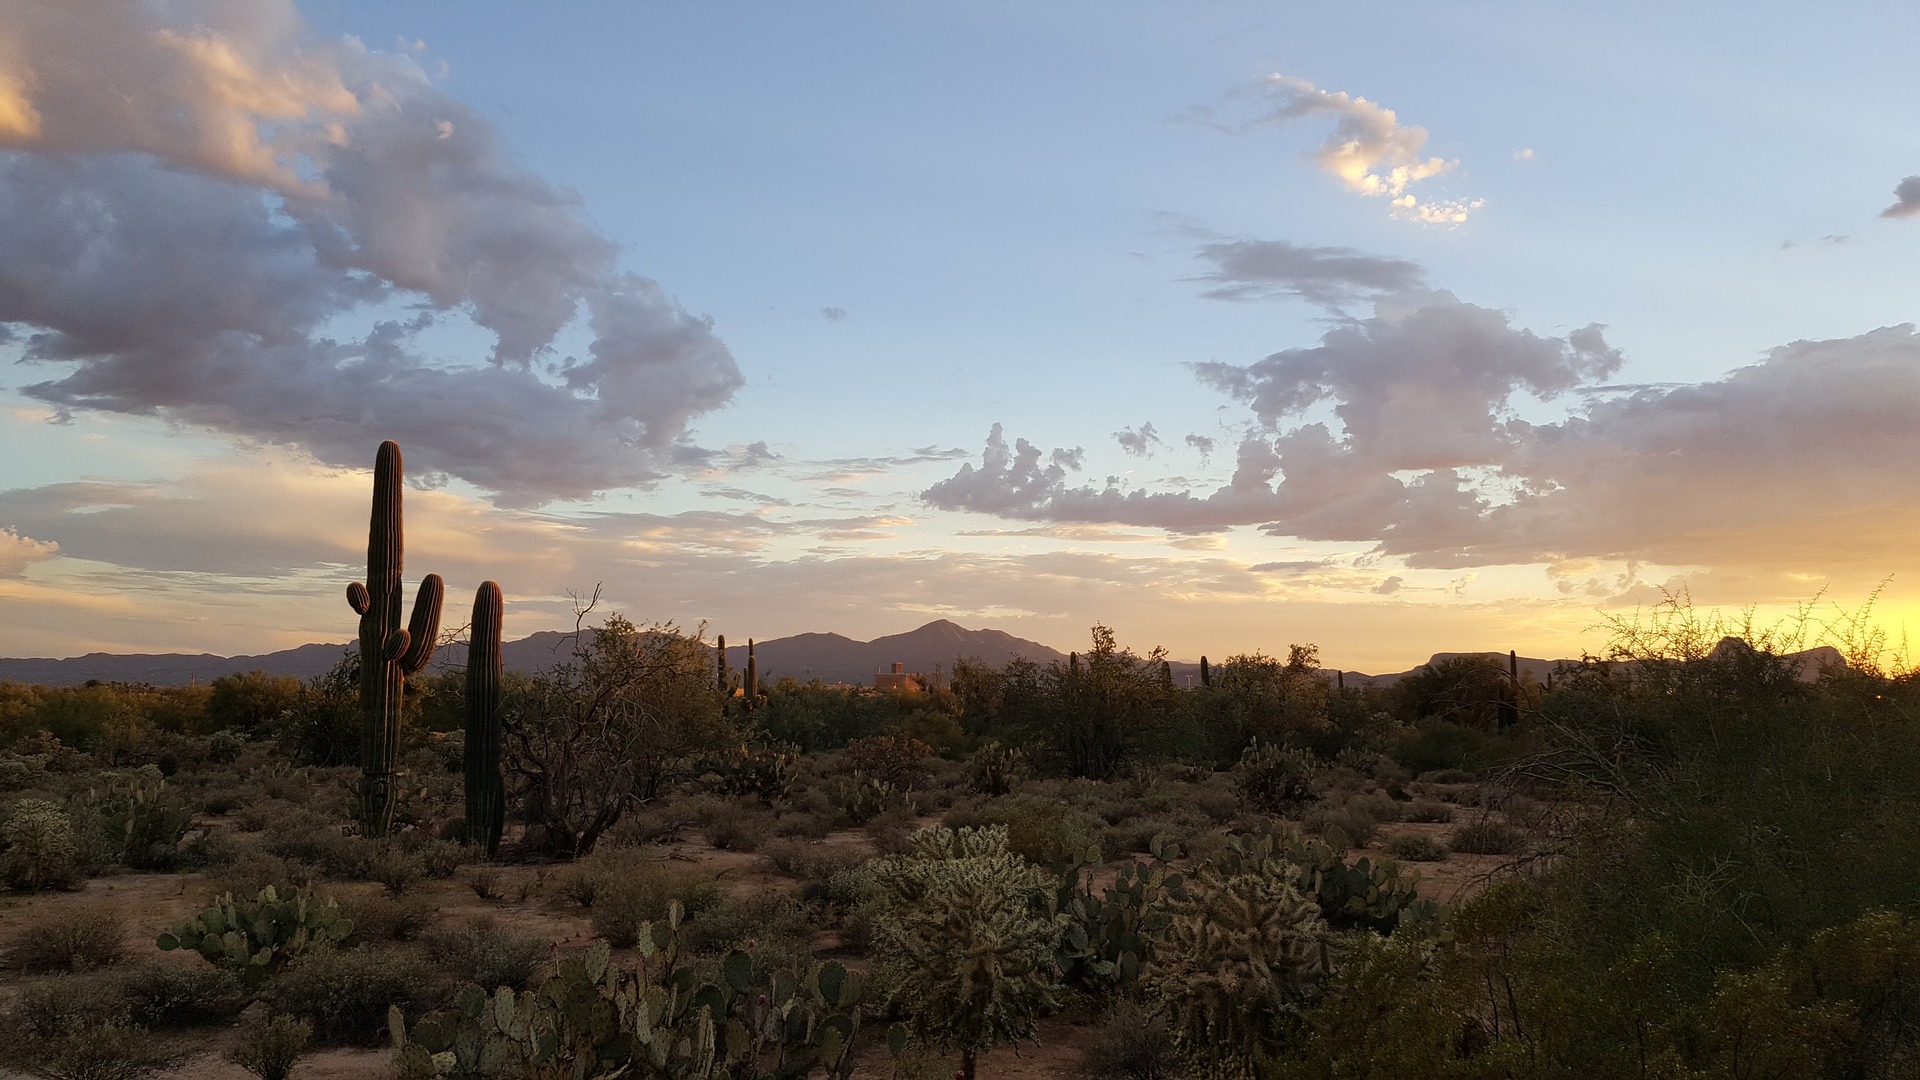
1239	958
969	937
1273	778
36	846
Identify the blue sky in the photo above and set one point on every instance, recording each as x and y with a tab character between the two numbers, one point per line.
878	231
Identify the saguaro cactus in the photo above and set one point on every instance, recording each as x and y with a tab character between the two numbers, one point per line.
720	650
388	652
486	785
1206	673
753	675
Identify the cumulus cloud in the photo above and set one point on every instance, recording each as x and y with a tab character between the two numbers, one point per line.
1793	466
1138	443
17	552
1331	277
197	196
1202	443
1369	149
1906	199
833	314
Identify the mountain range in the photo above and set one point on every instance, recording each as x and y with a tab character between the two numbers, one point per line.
829	657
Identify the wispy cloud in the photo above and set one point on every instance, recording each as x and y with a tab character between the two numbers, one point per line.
1331	277
1369	149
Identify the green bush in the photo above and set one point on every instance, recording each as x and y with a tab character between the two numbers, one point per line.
37	846
68	941
345	993
1039	829
394	867
1416	847
270	1050
380	917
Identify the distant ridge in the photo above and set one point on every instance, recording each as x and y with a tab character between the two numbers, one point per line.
828	657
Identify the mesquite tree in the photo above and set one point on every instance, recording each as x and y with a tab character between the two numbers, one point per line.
388	652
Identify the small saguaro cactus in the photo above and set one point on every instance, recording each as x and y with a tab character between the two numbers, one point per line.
720	652
388	652
1206	673
486	785
753	675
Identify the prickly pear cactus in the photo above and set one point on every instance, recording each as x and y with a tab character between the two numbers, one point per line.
257	937
1111	936
595	1019
388	652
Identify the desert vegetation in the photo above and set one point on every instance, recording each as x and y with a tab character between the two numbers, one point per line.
1683	859
1684	856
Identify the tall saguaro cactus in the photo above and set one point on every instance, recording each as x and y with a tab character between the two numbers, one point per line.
720	650
388	652
753	675
486	784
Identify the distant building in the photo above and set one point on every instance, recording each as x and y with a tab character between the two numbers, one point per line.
898	680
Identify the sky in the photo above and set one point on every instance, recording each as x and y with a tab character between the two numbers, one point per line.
1394	329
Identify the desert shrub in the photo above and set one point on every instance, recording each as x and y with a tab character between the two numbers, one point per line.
1353	822
344	993
1416	847
37	847
68	941
210	849
737	832
621	909
809	862
381	917
585	881
1488	837
965	939
393	867
891	759
1427	810
255	870
165	995
890	830
487	956
439	859
46	1007
269	1050
764	919
1039	829
102	1052
1274	779
485	882
1133	1043
804	823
